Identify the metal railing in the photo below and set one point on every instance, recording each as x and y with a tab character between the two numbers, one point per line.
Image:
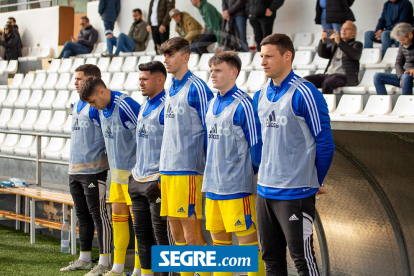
38	159
27	4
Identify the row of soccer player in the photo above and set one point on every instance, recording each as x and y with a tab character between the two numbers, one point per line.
184	141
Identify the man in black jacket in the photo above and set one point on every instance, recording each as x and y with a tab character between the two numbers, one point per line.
159	20
404	65
84	43
343	55
262	14
331	14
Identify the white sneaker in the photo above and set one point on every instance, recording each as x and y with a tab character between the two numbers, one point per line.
98	270
77	265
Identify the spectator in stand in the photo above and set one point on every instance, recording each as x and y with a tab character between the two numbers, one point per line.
134	41
159	20
404	65
84	43
12	21
262	15
343	55
333	13
394	12
186	26
212	26
109	11
236	9
11	41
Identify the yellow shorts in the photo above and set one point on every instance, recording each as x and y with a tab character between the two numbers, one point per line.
118	193
120	176
181	196
231	215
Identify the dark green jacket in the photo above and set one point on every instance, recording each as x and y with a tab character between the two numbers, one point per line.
212	18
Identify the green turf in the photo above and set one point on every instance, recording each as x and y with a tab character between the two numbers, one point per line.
19	257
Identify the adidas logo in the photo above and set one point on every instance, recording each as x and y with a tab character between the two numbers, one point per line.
159	201
293	217
91	186
181	210
76	125
238	223
142	132
170	112
275	121
108	133
213	133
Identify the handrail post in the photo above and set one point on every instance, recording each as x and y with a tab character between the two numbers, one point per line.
38	156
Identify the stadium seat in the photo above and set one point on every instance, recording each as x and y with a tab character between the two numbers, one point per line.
349	104
144	59
149	51
32	150
3	96
204	75
317	63
51	81
302	58
48	99
203	63
2	137
17	118
255	64
132	82
193	61
65	65
55	148
92	60
71	84
11	67
26	51
106	77
35	98
38	82
256	80
314	46
11	98
56	124
61	100
370	56
404	107
66	150
137	96
44	120
159	58
241	79
31	56
302	39
5	116
302	73
23	98
117	81
130	64
27	81
168	81
99	49
103	64
45	52
125	54
76	63
250	41
330	101
246	58
29	119
24	143
376	105
3	65
365	84
388	61
116	64
63	81
17	81
74	96
10	141
54	66
67	127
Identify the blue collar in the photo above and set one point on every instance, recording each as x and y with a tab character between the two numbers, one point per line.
156	98
229	93
283	84
177	82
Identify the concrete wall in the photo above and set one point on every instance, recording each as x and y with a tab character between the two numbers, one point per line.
293	17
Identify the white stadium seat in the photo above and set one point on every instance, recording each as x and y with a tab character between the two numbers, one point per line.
25	53
63	81
132	82
57	122
66	150
61	100
168	81
255	64
11	67
71	84
3	96
24	97
376	105
241	79
388	61
125	54
302	73
45	52
10	141
54	66
365	84
106	78
44	120
67	127
76	63
55	145
11	98
32	56
17	118
204	75
48	99
144	59
3	65
317	63
116	64
65	66
32	150
246	58
330	101
314	46
302	58
193	61
103	64
5	116
57	154
404	107
27	81
203	63
92	60
349	104
256	80
38	82
17	81
117	81
29	120
74	96
51	81
100	48
2	138
159	58
137	96
302	39
130	64
24	143
370	56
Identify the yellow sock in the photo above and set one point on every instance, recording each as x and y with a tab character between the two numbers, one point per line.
146	271
261	271
121	237
219	243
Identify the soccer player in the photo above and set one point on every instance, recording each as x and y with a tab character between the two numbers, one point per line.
297	153
183	149
143	184
118	114
88	169
233	155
